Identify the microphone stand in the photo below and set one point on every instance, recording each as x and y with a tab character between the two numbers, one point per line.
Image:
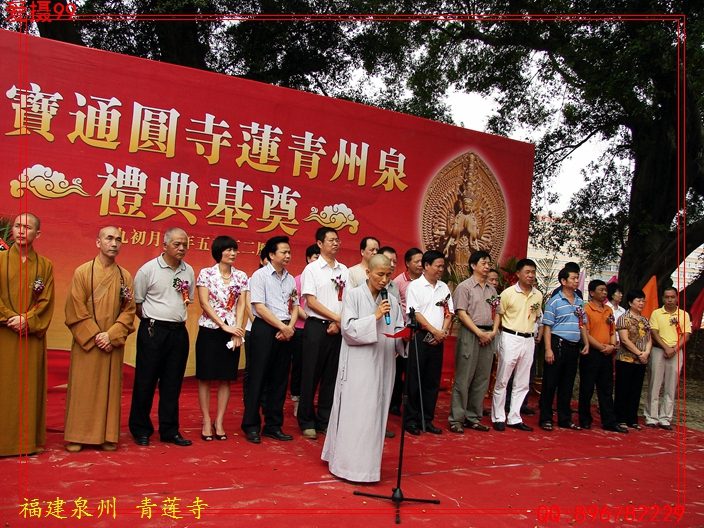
396	493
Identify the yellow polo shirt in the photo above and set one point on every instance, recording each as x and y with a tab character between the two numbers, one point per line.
517	307
660	321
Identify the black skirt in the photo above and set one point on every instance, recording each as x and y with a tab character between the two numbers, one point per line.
214	361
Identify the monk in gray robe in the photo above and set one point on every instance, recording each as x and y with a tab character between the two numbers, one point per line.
365	377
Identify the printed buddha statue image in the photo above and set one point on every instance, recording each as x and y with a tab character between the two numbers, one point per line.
464	211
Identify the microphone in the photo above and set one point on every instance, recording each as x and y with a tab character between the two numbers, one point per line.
385	297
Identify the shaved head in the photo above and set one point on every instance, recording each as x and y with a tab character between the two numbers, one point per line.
109	243
102	232
378	260
25	230
31	216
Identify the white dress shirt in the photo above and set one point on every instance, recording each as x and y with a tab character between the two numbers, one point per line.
317	279
423	297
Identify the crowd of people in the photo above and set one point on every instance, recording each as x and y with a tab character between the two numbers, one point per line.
341	333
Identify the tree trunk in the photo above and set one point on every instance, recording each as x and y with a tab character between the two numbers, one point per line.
653	248
179	40
653	205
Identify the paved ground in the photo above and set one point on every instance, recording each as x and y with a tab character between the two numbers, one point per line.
693	401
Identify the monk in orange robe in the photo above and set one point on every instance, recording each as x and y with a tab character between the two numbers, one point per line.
100	313
26	308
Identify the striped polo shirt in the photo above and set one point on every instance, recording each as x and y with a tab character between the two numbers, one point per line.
560	317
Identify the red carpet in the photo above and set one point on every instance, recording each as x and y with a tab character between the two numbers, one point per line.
482	479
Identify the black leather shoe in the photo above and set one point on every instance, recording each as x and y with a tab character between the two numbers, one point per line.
667	427
141	440
278	435
395	411
527	411
254	437
520	426
432	429
616	429
178	440
586	426
499	426
413	429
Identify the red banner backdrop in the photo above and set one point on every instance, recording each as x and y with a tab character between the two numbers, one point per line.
91	138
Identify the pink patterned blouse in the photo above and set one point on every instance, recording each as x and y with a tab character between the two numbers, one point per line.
221	295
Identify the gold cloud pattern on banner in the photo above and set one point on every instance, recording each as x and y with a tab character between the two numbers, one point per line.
45	183
336	216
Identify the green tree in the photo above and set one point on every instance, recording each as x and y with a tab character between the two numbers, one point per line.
300	54
560	83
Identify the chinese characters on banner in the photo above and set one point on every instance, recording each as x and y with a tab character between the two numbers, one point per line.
127	190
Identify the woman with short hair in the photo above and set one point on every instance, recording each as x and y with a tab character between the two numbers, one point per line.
221	329
631	359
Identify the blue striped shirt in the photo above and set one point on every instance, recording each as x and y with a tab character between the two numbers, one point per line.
560	317
267	287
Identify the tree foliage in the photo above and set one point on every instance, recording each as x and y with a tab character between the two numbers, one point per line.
597	215
562	82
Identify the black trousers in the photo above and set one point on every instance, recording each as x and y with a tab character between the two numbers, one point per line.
397	392
270	361
321	355
430	365
596	369
559	377
629	385
161	359
245	374
296	362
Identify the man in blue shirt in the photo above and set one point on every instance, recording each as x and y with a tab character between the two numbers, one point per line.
274	302
569	266
563	322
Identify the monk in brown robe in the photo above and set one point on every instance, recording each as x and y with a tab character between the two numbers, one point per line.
100	313
26	307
